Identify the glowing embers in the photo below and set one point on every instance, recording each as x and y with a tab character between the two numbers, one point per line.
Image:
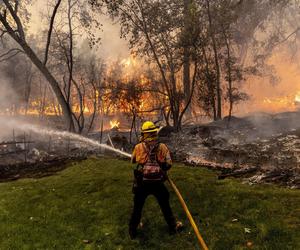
280	104
114	124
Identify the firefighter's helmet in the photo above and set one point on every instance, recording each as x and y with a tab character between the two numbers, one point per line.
149	127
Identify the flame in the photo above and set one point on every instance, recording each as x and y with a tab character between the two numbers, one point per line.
114	124
129	62
278	104
297	97
126	62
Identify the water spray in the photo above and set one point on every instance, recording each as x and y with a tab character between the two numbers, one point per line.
47	131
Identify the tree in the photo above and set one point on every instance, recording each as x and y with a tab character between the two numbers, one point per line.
186	48
225	42
154	29
11	20
212	33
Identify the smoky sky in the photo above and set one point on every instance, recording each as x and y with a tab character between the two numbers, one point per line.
111	47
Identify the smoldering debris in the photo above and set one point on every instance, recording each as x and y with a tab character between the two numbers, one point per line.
261	148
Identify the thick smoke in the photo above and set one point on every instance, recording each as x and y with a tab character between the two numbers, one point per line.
7	95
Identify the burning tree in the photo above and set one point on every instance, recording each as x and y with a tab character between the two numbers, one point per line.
131	94
188	46
154	29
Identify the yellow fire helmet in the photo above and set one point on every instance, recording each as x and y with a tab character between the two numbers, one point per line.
149	127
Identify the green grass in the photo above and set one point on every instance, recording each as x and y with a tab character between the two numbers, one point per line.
92	200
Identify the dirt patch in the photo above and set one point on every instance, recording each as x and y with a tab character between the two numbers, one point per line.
34	170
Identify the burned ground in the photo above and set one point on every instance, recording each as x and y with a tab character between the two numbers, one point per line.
260	148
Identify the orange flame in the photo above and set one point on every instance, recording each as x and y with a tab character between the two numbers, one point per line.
297	98
114	124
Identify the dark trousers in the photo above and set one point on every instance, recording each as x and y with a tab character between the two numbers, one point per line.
161	193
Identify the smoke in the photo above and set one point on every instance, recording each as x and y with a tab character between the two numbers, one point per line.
7	95
112	46
11	87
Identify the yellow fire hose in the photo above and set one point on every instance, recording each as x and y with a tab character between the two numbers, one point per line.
182	202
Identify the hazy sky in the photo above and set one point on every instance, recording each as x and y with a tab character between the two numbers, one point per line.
112	46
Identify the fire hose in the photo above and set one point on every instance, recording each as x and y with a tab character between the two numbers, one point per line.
188	214
186	210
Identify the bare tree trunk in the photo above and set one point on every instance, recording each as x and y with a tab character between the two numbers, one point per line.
217	64
131	128
70	60
101	129
27	91
186	53
94	107
43	100
80	119
229	74
211	86
166	116
135	130
191	94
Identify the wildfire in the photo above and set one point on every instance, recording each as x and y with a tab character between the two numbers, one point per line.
129	62
114	124
278	104
283	101
297	98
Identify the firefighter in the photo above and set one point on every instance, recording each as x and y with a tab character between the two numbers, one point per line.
153	161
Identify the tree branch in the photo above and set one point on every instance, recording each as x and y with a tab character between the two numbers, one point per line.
287	37
16	18
6	56
50	31
192	91
2	33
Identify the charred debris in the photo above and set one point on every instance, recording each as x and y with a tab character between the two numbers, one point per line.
260	148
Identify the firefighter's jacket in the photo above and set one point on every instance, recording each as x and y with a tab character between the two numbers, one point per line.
141	153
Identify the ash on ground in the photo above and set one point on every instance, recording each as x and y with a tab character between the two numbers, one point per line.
261	148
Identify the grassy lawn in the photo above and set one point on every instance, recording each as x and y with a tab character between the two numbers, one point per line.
87	206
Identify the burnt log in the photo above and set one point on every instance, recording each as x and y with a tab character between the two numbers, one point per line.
239	172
